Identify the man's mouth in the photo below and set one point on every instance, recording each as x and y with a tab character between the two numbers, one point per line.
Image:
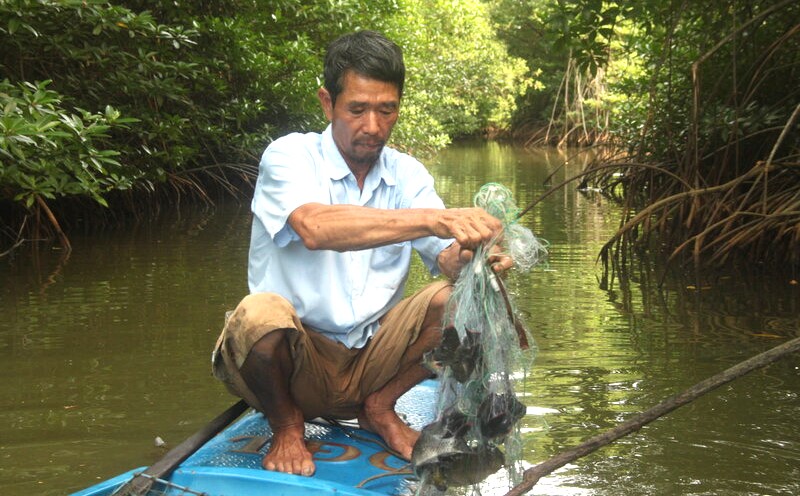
369	144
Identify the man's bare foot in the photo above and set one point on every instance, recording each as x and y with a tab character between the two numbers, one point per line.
288	452
388	425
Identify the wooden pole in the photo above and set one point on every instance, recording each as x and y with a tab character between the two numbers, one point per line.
533	474
141	483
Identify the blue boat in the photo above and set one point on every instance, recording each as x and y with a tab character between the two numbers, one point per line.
349	461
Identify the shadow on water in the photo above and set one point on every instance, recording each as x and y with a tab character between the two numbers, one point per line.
109	350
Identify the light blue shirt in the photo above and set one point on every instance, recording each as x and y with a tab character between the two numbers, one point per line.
341	295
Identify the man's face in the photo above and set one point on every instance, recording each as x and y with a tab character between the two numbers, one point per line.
363	117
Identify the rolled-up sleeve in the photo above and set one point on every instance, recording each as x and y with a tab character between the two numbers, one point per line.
286	180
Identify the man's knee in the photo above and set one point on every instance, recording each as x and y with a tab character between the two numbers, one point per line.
259	313
441	297
437	306
259	307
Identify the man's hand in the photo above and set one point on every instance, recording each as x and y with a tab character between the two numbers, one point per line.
470	227
453	258
499	261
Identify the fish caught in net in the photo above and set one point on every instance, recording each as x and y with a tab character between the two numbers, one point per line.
484	342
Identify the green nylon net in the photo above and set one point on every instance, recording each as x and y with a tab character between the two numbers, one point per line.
485	346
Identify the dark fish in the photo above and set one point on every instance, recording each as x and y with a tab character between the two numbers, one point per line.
459	465
453	423
498	413
443	458
461	355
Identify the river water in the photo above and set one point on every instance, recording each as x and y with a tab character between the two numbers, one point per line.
109	348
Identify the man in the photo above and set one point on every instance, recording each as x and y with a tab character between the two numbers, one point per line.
325	330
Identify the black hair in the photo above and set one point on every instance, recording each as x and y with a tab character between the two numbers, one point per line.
366	53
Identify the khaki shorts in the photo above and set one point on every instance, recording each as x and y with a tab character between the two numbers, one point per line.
329	380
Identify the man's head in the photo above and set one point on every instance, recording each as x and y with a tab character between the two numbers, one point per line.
367	53
364	75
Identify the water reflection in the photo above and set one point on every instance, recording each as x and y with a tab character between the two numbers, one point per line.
604	356
110	349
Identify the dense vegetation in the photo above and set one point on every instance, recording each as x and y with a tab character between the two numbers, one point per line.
696	103
111	100
700	102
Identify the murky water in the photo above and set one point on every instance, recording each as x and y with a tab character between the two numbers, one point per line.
110	348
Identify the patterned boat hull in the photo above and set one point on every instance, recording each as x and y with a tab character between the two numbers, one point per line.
349	460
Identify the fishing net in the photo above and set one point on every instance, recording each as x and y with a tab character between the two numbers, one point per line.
484	343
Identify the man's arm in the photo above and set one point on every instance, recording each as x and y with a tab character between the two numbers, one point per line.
352	227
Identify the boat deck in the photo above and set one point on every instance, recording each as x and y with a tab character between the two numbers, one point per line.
349	461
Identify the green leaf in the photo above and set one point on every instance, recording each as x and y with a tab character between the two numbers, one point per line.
13	25
111	113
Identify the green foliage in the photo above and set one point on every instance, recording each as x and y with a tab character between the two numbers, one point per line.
214	82
461	78
701	98
644	51
537	33
101	97
209	83
50	152
96	55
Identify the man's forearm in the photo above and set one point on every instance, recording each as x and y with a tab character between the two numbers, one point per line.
352	227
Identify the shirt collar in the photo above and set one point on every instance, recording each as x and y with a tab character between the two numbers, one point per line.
338	169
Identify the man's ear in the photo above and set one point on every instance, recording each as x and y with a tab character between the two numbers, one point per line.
326	102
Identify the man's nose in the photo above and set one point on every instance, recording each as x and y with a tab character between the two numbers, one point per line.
371	123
